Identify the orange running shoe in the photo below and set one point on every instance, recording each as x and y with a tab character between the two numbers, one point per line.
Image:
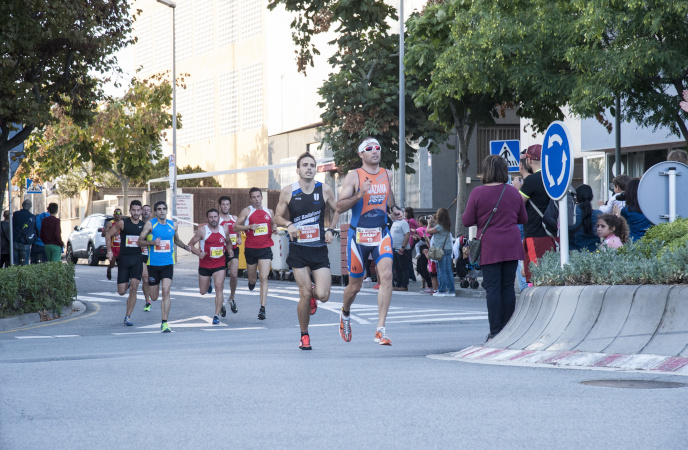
305	343
382	338
314	305
377	286
344	328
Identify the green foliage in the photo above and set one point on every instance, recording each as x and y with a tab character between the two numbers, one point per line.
162	167
361	94
628	265
33	288
667	233
50	53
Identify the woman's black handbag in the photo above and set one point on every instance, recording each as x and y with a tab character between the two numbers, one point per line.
475	244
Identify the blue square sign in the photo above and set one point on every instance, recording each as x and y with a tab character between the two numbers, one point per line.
508	150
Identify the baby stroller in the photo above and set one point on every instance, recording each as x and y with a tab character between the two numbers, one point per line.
465	270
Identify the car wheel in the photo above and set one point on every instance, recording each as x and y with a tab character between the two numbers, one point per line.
92	258
69	255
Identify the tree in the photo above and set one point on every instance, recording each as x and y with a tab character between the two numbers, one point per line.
361	95
161	169
455	105
49	51
635	50
123	140
128	131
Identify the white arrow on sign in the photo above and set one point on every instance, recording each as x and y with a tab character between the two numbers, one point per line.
190	323
552	139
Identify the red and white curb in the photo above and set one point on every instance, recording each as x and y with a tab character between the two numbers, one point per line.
570	359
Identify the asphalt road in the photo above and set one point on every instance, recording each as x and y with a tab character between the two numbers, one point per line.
87	380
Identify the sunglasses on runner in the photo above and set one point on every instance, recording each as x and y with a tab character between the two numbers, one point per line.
372	147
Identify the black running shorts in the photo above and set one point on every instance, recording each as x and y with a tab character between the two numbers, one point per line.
129	267
301	256
228	259
157	273
255	254
202	271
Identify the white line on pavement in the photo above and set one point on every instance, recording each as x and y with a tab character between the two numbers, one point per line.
440	319
131	333
234	329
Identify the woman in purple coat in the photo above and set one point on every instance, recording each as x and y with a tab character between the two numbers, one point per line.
501	243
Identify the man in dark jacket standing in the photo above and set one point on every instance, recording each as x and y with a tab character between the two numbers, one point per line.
5	240
24	233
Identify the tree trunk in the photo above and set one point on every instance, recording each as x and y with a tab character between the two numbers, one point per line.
125	193
462	163
89	202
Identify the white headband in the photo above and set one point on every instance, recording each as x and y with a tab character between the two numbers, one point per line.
366	143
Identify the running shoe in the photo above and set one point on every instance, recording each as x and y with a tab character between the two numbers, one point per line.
223	311
261	313
216	320
305	343
377	286
109	274
165	328
251	286
345	327
367	280
147	307
233	306
427	291
314	305
210	287
382	338
128	322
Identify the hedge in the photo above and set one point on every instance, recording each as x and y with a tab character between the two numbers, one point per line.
660	257
33	288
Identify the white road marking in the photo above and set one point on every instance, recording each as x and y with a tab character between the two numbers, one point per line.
321	325
234	329
47	337
187	323
87	298
439	319
137	332
406	312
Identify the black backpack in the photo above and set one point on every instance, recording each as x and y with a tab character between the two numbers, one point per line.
27	232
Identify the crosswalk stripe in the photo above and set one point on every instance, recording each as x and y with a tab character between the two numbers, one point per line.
405	312
87	298
439	319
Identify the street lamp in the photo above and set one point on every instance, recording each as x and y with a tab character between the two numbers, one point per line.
173	159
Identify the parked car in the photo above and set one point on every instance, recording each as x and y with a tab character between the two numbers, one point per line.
86	241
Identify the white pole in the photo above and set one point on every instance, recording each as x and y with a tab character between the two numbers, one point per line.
564	229
9	188
672	194
401	199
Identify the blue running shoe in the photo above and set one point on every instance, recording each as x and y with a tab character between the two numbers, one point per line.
216	320
127	321
210	286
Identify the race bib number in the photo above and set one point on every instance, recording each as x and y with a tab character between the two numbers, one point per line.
144	250
216	252
261	230
369	236
309	233
132	241
164	247
117	239
233	238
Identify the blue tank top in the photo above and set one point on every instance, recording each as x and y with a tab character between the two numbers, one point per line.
162	255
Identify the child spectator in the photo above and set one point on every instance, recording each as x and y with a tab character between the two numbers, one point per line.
620	183
613	230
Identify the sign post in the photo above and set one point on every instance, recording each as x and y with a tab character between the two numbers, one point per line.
557	172
509	150
657	192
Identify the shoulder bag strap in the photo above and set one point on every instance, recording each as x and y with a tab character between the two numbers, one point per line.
493	211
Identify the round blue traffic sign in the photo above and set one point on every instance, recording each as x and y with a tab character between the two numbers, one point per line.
557	163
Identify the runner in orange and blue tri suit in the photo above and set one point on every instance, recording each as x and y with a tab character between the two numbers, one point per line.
368	193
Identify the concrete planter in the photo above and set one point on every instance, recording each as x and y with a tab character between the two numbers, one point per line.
646	319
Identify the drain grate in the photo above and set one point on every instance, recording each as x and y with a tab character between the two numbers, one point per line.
634	384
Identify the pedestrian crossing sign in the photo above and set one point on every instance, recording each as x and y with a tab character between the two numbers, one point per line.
33	187
509	150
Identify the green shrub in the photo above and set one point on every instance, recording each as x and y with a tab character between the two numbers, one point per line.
642	262
33	288
671	236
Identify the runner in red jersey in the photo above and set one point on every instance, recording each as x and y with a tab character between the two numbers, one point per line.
213	244
232	263
116	240
259	225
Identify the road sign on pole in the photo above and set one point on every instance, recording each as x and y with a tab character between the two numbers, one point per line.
33	187
658	189
509	150
557	172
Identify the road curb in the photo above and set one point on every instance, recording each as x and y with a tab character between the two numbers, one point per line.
10	323
570	359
